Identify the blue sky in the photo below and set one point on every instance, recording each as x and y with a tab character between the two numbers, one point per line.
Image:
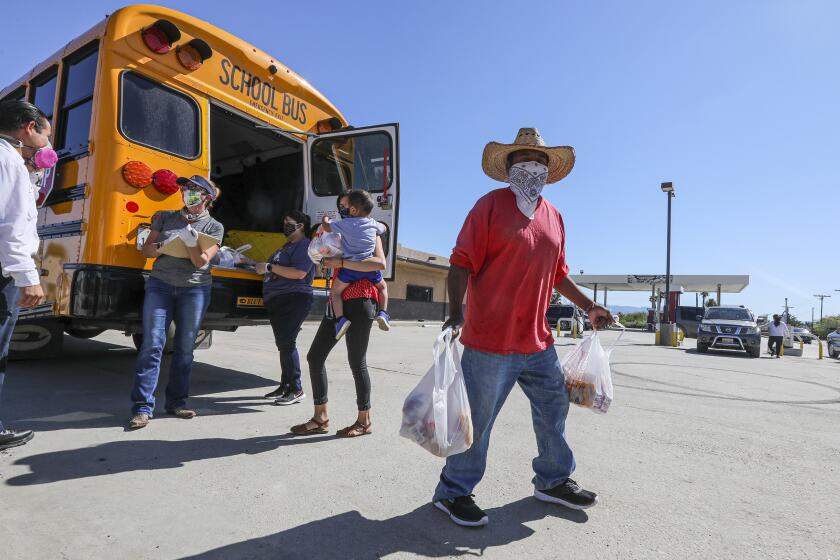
737	103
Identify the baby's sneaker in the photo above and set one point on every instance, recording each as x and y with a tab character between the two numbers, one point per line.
383	319
341	327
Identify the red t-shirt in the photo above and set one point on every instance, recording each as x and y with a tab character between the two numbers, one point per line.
514	263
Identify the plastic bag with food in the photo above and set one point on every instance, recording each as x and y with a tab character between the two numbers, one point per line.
436	414
587	372
325	245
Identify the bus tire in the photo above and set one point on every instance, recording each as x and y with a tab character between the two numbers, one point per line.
36	339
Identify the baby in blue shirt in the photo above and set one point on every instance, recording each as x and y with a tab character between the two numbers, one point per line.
358	242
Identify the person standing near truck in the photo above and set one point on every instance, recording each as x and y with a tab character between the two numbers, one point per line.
777	330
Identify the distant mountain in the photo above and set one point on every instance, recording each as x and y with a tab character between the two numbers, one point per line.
627	309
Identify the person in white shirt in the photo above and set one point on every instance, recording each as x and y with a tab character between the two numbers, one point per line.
777	330
24	132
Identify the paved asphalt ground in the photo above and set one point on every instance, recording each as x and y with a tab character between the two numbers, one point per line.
701	456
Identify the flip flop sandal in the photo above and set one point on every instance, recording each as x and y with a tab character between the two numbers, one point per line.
320	428
356	430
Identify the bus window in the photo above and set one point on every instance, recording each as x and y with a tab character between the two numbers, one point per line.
355	162
159	117
43	92
76	104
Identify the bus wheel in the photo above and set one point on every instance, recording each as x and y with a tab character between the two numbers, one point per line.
36	339
83	332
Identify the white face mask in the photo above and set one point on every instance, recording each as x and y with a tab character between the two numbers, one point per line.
527	180
191	198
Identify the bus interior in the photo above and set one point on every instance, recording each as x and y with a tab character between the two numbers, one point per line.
260	174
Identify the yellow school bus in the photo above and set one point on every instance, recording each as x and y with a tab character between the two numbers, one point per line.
150	94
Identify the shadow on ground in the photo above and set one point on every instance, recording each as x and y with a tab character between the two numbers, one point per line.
425	532
126	456
89	387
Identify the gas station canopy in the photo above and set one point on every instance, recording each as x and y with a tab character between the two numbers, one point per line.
726	283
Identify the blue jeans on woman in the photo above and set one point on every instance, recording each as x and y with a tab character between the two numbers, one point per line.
163	304
489	379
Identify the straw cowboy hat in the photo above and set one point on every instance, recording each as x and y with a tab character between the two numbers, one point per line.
561	159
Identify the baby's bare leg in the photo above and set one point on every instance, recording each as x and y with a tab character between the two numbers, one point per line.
336	290
383	295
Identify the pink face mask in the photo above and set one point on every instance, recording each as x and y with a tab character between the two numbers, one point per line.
45	157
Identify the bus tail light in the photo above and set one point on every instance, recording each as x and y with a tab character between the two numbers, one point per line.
327	125
137	174
160	36
165	181
193	54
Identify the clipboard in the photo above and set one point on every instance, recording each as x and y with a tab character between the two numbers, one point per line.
175	247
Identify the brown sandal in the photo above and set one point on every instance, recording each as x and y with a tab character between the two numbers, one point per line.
356	430
302	430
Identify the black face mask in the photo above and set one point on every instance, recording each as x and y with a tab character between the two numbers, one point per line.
289	229
344	212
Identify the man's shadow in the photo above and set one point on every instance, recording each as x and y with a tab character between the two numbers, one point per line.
131	455
424	531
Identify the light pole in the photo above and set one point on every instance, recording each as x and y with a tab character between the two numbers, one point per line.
665	339
822	297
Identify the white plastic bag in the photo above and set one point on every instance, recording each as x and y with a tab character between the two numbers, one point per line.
436	414
325	245
227	257
587	372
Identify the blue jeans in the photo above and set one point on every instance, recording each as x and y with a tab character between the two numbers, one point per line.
489	379
287	312
8	318
162	304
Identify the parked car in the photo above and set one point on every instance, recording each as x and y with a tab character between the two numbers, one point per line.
729	327
687	319
564	316
802	334
833	342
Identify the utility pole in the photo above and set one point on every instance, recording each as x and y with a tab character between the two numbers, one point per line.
822	297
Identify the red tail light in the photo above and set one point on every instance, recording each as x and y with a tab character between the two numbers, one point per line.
132	206
161	36
137	174
165	181
193	54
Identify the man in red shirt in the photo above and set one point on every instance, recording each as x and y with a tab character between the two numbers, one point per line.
511	254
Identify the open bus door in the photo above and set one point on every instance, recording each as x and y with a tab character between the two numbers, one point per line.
362	159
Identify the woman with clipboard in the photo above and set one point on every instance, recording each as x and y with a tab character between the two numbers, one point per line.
182	242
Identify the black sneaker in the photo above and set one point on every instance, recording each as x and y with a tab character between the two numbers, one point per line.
568	494
463	511
290	397
11	438
278	392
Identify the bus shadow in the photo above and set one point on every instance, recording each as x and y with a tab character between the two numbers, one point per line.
89	385
423	532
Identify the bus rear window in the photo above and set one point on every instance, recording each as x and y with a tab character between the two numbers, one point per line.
159	117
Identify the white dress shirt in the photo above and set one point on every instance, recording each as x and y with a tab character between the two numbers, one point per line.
18	219
781	330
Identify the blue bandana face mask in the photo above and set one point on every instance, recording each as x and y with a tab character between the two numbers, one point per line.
527	180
